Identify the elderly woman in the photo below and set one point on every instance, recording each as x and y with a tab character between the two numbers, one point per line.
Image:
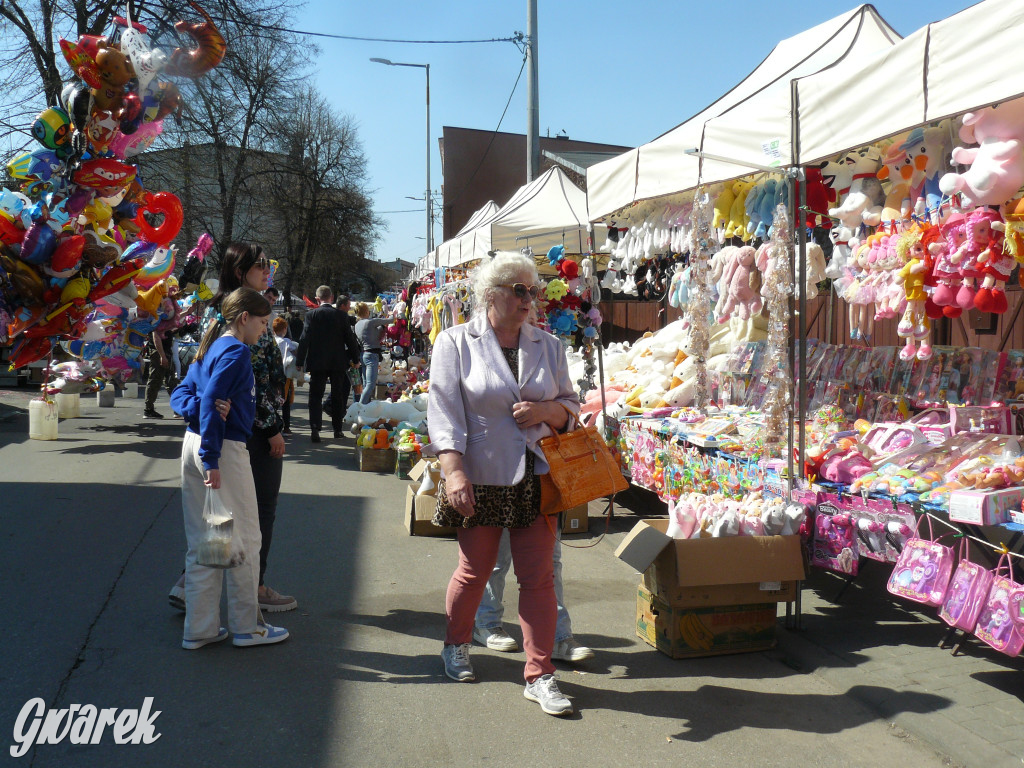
498	385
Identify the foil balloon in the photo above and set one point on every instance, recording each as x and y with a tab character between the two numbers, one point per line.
125	146
208	53
52	128
158	264
145	60
170	206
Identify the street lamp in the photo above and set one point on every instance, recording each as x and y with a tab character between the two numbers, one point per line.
426	68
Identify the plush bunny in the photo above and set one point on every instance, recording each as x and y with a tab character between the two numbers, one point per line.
766	207
737	225
997	164
743	281
723	205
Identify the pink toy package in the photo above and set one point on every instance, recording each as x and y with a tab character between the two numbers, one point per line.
882	528
835	545
967	593
923	569
995	419
996	626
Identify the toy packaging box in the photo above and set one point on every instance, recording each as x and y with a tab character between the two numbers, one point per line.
419	509
683	633
984	507
1010	378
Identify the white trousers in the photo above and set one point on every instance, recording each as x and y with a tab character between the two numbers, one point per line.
202	584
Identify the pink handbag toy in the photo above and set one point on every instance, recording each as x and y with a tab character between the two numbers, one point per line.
967	593
923	570
996	625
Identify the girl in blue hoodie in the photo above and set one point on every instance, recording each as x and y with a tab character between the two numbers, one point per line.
218	401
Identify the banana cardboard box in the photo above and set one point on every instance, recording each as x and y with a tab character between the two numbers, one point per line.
683	633
732	570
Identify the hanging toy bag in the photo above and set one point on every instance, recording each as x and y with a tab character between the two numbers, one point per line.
996	626
967	592
923	569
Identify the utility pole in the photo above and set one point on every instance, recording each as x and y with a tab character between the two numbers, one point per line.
532	95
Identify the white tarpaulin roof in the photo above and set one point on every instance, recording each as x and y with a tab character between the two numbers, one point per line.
969	60
548	211
740	125
449	253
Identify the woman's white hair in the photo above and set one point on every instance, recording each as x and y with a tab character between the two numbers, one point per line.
503	269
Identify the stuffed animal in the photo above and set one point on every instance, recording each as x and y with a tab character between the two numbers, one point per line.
818	197
897	168
862	202
737	224
766	207
997	164
815	269
723	205
945	272
743	283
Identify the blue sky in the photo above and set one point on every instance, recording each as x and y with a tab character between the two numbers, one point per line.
615	72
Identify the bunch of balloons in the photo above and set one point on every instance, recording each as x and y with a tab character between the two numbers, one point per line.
85	249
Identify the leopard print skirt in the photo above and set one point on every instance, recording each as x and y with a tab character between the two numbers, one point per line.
504	506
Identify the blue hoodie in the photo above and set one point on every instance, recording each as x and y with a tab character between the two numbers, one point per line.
224	373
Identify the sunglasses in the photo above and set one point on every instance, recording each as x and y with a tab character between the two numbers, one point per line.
521	290
262	263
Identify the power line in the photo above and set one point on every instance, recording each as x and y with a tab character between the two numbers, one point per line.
407	210
494	135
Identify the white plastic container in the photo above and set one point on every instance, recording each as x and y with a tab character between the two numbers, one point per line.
42	420
69	406
105	397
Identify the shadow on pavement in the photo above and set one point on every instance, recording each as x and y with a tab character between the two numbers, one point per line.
807	713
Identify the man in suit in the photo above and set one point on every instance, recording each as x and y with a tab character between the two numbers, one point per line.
327	349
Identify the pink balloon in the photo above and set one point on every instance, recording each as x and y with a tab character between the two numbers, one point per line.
127	146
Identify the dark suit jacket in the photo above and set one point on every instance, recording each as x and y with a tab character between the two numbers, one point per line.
328	342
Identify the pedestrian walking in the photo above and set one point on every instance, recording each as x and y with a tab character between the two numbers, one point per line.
370	332
327	349
161	364
218	401
499	385
287	347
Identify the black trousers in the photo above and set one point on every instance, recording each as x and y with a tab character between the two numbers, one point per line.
340	386
266	472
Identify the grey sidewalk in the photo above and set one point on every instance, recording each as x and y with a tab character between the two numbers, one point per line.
92	541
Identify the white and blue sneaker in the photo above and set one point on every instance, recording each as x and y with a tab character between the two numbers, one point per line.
191	645
265	634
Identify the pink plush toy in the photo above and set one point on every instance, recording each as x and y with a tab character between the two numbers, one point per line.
743	281
997	164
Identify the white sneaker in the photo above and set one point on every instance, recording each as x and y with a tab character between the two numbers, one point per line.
495	638
264	634
570	650
544	690
456	663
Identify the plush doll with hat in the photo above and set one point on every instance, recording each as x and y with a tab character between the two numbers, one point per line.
945	272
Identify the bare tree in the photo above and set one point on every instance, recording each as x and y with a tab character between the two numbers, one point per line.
323	211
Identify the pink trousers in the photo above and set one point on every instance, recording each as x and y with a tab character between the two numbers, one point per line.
532	559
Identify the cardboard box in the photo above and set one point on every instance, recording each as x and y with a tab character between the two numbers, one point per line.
1017	516
376	459
419	511
988	507
684	633
576	520
733	570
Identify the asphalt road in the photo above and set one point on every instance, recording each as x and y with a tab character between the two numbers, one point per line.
91	540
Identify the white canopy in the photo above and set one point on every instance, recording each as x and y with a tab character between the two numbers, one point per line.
752	124
971	59
548	211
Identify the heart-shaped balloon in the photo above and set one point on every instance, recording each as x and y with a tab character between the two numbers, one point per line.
170	206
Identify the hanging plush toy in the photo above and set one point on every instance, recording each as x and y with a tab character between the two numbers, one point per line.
997	164
915	325
986	227
743	281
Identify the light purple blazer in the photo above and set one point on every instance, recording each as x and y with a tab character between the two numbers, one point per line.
472	392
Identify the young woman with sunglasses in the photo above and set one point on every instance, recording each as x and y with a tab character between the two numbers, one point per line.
246	265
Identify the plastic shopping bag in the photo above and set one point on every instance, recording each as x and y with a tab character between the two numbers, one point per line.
219	545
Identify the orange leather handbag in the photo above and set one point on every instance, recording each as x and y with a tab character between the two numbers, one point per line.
582	469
